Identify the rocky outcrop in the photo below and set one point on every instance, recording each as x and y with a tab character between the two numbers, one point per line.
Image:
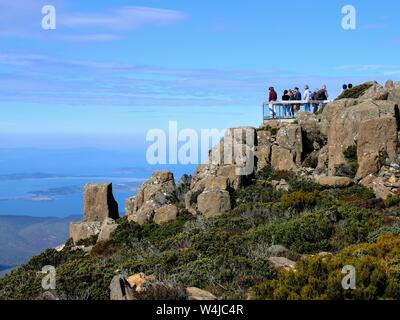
314	146
214	202
377	143
138	281
394	94
376	92
231	165
99	202
344	123
282	263
99	206
151	196
287	150
120	289
108	227
165	214
334	182
194	293
83	230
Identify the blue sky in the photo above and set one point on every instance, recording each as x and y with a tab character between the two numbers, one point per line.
114	69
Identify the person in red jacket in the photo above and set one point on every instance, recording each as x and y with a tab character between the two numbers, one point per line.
273	97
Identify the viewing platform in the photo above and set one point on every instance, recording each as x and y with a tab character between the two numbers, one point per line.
284	110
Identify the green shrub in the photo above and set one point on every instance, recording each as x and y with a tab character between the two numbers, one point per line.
24	283
346	170
257	193
351	153
350	168
84	278
356	91
354	225
373	236
393	200
351	194
319	277
310	232
300	200
91	241
311	161
162	291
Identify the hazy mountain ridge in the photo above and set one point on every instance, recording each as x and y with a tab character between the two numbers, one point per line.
21	237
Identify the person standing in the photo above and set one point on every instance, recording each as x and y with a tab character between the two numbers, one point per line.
286	107
314	97
273	97
322	96
307	98
297	97
291	106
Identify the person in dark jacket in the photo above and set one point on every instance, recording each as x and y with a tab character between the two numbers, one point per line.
297	97
273	97
288	111
322	95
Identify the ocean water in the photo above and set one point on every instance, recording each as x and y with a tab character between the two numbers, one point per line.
57	196
49	183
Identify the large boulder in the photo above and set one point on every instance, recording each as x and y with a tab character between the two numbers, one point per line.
152	195
309	122
282	263
331	111
212	203
194	293
192	195
394	94
283	159
264	137
344	126
233	173
291	138
334	182
165	214
108	227
139	280
231	165
377	142
99	203
375	92
83	230
120	289
287	153
263	156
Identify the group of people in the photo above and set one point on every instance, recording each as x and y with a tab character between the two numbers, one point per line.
308	98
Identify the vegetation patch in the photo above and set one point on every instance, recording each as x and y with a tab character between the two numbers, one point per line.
355	92
319	277
228	255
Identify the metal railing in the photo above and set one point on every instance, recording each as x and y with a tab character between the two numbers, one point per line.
287	109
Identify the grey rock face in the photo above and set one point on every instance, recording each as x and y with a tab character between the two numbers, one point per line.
83	230
120	289
152	195
99	203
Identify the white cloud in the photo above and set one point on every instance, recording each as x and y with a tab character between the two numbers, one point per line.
22	19
123	19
